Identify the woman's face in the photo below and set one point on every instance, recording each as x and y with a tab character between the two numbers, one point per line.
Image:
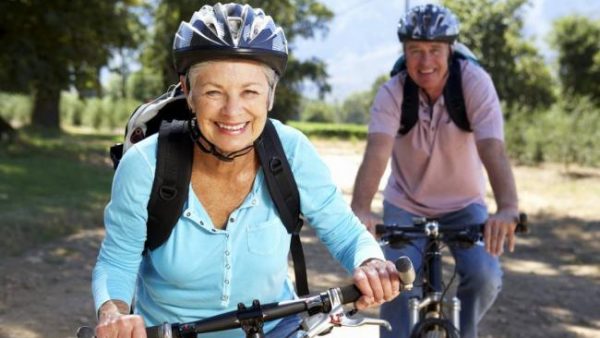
230	99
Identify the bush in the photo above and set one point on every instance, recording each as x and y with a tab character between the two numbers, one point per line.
16	108
331	130
566	133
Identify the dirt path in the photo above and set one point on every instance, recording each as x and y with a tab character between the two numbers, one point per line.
551	284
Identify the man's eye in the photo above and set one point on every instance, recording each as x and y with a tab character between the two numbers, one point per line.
250	92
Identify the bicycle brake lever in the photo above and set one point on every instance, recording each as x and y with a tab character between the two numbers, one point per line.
360	320
323	323
316	325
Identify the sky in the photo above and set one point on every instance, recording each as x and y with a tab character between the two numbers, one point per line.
362	42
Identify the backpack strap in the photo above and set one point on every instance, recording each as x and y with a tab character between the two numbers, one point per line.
285	195
171	181
410	106
453	96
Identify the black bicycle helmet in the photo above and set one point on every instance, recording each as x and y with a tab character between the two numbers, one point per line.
429	23
226	31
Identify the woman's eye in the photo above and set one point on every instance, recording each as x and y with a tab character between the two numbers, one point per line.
213	93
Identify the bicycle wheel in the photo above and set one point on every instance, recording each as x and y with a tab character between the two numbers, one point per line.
435	328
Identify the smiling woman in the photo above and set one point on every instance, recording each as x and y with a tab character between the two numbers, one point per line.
228	245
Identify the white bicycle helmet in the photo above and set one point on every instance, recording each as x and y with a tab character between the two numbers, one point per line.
429	23
230	31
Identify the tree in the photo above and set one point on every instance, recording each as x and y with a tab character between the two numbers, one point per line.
576	40
492	29
49	45
299	18
357	106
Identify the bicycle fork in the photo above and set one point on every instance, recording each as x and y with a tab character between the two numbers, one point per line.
415	306
432	304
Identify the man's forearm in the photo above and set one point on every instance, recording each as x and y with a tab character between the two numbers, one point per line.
371	170
500	174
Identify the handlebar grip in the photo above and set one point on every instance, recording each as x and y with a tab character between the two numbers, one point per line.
523	225
152	332
380	229
158	331
350	294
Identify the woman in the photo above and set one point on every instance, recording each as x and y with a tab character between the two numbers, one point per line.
229	246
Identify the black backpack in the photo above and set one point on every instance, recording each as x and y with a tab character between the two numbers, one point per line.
453	94
169	116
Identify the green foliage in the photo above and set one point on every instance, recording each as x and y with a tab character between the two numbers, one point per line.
355	109
491	28
566	133
318	111
144	85
331	130
576	40
572	132
15	108
50	45
299	18
524	135
97	113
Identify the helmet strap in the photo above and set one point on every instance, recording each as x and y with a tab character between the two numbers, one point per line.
209	148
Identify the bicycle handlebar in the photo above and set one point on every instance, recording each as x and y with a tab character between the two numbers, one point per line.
267	312
328	302
467	233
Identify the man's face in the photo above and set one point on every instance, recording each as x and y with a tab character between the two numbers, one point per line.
427	65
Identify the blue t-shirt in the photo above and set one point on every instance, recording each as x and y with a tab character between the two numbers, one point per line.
201	271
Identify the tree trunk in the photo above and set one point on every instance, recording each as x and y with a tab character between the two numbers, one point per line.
7	133
45	109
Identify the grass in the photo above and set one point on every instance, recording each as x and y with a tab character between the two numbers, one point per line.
51	185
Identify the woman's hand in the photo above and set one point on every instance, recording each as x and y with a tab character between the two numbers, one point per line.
112	323
377	281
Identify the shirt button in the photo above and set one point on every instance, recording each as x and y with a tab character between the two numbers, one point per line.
232	220
201	222
224	298
253	202
226	281
188	214
227	266
226	253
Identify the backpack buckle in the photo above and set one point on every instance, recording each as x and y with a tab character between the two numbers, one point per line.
275	165
167	193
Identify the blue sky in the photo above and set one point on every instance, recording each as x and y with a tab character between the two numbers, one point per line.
362	42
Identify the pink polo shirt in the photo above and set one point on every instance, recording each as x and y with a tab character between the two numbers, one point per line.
435	167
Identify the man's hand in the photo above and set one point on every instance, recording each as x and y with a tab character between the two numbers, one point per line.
369	220
500	230
377	281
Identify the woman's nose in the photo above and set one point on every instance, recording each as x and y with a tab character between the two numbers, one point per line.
233	105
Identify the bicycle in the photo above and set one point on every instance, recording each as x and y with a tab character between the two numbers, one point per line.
426	313
325	311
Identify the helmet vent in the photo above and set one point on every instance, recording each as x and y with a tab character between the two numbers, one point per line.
234	28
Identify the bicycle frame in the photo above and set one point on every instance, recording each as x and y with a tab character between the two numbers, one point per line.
429	305
431	302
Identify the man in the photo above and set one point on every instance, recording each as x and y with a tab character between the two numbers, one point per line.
437	162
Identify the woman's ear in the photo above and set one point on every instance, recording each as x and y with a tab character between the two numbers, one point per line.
183	85
271	97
